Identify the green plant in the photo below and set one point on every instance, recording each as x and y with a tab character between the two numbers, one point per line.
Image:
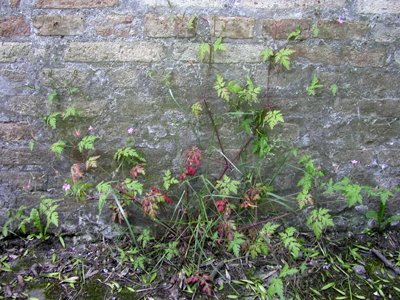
217	195
47	209
379	215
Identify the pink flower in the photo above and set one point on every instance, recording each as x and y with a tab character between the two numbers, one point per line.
130	130
90	128
77	133
341	21
354	162
66	187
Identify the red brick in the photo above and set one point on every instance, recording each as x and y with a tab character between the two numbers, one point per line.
14	3
24	156
281	28
373	57
119	25
317	54
160	26
58	25
14	26
232	27
15	131
75	3
332	29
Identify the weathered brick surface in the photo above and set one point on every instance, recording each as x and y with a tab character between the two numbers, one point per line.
364	157
389	157
381	108
329	55
285	4
232	27
318	54
10	52
31	181
58	25
124	77
13	75
281	28
14	3
382	33
332	29
75	3
24	156
165	26
118	25
397	56
28	105
108	51
111	48
15	131
63	78
185	3
378	6
14	26
235	53
373	57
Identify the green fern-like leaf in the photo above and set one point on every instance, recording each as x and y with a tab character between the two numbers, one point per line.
71	111
234	245
58	147
273	118
319	219
262	146
196	109
282	57
275	288
169	180
134	186
52	119
127	153
334	89
267	54
314	85
204	49
218	46
222	90
295	34
87	142
290	242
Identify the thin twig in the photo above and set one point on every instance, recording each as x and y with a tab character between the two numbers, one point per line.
387	262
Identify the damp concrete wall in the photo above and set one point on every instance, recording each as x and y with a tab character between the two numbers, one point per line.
115	54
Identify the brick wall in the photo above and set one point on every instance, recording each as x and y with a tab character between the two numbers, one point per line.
109	49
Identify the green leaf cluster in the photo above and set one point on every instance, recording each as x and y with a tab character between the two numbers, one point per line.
319	219
227	186
169	180
295	34
276	286
224	91
314	85
128	154
87	143
58	147
205	48
290	242
281	57
235	243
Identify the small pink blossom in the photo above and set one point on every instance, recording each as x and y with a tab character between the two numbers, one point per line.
130	130
90	128
354	162
340	20
77	133
66	187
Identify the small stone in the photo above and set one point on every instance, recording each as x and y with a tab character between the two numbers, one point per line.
360	270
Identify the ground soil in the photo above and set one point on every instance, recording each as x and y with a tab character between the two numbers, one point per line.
338	267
